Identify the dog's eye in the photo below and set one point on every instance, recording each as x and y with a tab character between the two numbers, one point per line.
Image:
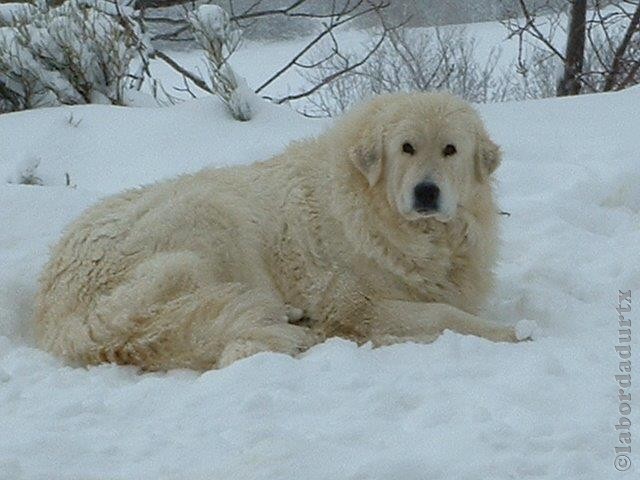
408	148
449	150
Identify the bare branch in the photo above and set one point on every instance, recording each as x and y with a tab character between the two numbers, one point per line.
329	78
336	20
197	81
632	29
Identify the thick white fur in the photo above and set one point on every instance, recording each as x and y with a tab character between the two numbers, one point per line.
208	268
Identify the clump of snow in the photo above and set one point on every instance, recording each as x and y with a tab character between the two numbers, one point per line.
526	329
214	20
461	407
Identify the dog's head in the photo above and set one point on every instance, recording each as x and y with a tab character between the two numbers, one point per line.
428	152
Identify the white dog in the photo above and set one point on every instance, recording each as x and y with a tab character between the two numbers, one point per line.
383	229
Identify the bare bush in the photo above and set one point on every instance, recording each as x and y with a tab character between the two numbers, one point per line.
602	48
446	59
411	60
28	174
534	77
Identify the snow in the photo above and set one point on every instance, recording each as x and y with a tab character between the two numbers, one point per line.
526	329
461	408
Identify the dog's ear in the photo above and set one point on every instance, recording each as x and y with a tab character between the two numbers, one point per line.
367	154
488	156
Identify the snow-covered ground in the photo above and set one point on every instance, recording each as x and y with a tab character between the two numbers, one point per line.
460	408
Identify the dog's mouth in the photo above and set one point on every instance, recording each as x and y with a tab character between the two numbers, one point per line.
422	215
416	210
438	217
426	212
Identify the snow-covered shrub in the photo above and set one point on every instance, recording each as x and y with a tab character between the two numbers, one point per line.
78	52
12	13
213	31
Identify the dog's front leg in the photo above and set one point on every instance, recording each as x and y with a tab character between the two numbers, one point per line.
424	322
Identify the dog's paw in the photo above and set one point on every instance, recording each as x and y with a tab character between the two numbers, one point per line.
276	337
526	330
238	350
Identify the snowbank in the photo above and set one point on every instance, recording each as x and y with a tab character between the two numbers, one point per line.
459	408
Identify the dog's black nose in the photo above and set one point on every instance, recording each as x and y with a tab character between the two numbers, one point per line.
426	196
